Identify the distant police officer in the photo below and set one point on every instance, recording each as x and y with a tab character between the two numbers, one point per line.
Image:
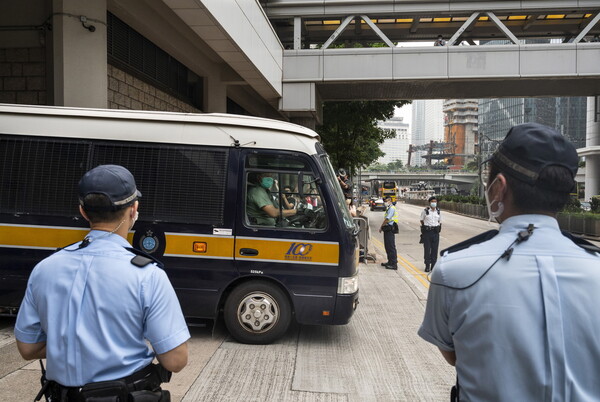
431	225
90	307
389	227
514	310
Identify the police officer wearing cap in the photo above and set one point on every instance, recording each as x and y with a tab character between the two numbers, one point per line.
513	310
431	226
91	307
389	227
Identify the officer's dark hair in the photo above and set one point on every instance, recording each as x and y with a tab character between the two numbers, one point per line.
433	197
98	209
529	198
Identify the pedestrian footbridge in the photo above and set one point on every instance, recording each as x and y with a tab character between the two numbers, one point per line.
348	50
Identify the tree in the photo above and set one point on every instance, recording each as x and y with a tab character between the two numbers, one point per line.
396	165
350	134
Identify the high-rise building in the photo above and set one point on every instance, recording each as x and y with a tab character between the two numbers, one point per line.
496	116
460	130
395	148
427	125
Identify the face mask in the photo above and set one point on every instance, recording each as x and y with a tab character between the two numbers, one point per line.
266	182
493	214
433	204
134	220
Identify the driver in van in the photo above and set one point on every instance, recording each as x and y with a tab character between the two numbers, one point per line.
260	207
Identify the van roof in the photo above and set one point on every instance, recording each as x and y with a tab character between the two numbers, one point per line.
150	126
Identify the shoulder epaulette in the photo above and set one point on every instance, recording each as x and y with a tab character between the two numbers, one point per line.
584	244
142	259
469	242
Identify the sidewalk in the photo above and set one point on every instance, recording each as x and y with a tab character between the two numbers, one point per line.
376	357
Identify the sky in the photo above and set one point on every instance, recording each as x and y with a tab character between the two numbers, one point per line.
405	112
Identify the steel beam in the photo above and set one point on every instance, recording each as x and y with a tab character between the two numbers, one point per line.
378	31
503	27
587	28
463	28
338	31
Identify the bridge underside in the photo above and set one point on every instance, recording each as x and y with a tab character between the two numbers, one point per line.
468	88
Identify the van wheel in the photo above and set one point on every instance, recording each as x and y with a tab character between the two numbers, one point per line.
257	312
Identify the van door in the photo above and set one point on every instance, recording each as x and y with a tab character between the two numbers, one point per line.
285	242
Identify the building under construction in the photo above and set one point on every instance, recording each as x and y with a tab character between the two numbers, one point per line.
460	136
460	130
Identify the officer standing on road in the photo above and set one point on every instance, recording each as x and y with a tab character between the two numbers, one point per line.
431	225
90	307
514	310
389	227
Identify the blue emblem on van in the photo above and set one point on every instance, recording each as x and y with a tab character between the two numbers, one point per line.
149	242
299	252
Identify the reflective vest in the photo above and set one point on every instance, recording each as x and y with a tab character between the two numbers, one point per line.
395	217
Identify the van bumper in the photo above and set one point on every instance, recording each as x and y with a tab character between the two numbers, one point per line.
344	308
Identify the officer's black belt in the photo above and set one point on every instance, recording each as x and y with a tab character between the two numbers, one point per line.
149	378
431	227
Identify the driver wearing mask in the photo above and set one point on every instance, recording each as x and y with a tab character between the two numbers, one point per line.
260	206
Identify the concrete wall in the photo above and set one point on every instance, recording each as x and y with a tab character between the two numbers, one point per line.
128	92
23	76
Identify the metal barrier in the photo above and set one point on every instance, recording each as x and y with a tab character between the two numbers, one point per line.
364	234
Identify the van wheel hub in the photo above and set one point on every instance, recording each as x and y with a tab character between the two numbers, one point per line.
257	312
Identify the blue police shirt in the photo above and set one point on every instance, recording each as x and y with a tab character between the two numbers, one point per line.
528	330
94	310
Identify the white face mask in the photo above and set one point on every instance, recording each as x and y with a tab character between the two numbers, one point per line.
433	205
493	214
134	220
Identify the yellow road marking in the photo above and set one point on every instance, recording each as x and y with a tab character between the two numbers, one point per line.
418	275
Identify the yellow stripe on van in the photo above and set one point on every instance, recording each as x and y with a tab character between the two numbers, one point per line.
289	250
45	237
182	245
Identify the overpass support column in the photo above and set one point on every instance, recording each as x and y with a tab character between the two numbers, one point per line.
79	64
301	102
592	162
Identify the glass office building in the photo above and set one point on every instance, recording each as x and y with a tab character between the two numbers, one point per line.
497	115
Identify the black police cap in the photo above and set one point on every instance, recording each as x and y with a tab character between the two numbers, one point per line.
113	181
529	148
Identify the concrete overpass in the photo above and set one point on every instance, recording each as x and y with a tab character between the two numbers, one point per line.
322	60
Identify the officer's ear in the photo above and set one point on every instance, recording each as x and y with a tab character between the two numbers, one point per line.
500	189
82	212
134	209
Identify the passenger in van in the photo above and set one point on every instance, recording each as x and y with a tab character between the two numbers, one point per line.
90	308
289	200
260	207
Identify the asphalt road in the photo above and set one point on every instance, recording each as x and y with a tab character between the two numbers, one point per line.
376	357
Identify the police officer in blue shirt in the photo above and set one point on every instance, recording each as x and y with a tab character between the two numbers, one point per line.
514	310
90	307
389	227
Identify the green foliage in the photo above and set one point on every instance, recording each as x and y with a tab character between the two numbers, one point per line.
350	134
465	199
472	166
595	204
395	166
573	205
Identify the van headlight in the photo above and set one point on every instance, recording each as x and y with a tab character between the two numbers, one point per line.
347	286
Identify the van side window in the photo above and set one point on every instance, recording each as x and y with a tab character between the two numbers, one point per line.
180	184
283	193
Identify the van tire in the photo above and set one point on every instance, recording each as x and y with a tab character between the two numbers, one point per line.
270	320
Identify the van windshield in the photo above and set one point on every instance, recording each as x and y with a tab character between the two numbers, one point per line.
340	201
